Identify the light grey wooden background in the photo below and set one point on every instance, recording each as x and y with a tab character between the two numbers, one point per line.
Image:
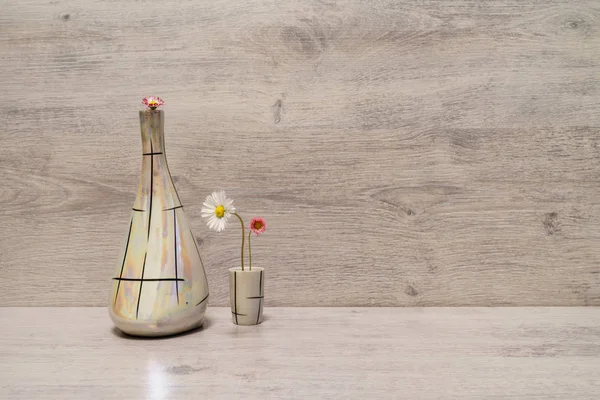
404	153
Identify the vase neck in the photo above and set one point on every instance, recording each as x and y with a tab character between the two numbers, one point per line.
152	124
156	188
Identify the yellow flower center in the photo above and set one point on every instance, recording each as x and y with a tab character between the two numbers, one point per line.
152	102
220	211
257	225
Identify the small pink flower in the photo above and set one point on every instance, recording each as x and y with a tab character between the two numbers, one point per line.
152	102
258	225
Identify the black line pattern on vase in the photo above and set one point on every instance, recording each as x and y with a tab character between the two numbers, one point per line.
150	279
236	314
137	310
151	152
138	210
200	257
191	233
260	291
175	248
124	258
173	183
255	297
173	208
202	301
235	297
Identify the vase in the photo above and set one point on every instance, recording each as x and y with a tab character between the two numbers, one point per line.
246	290
159	287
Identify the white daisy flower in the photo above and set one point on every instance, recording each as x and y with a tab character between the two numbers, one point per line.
218	208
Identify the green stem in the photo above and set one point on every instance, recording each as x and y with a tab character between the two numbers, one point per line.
250	248
243	237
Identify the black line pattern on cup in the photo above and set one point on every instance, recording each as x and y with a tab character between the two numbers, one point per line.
235	297
260	298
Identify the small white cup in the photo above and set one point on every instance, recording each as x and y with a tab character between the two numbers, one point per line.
246	289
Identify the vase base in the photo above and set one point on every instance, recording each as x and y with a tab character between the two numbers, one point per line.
149	328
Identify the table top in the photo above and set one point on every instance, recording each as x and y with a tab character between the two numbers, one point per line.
307	353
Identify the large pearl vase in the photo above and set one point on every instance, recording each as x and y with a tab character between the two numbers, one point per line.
159	286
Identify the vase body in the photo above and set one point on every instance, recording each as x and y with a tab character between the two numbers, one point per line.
159	286
246	289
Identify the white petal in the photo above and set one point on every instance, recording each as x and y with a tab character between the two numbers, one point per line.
226	200
221	223
217	198
212	222
229	205
209	201
207	211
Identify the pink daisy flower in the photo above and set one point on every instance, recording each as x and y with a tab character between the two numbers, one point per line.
152	102
258	225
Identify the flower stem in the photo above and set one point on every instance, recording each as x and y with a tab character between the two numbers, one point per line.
250	249
243	237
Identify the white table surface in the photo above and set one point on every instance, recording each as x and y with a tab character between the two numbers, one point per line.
308	353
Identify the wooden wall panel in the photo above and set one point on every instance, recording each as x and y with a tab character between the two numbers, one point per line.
404	153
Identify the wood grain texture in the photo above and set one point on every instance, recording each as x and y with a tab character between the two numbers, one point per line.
308	353
403	153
